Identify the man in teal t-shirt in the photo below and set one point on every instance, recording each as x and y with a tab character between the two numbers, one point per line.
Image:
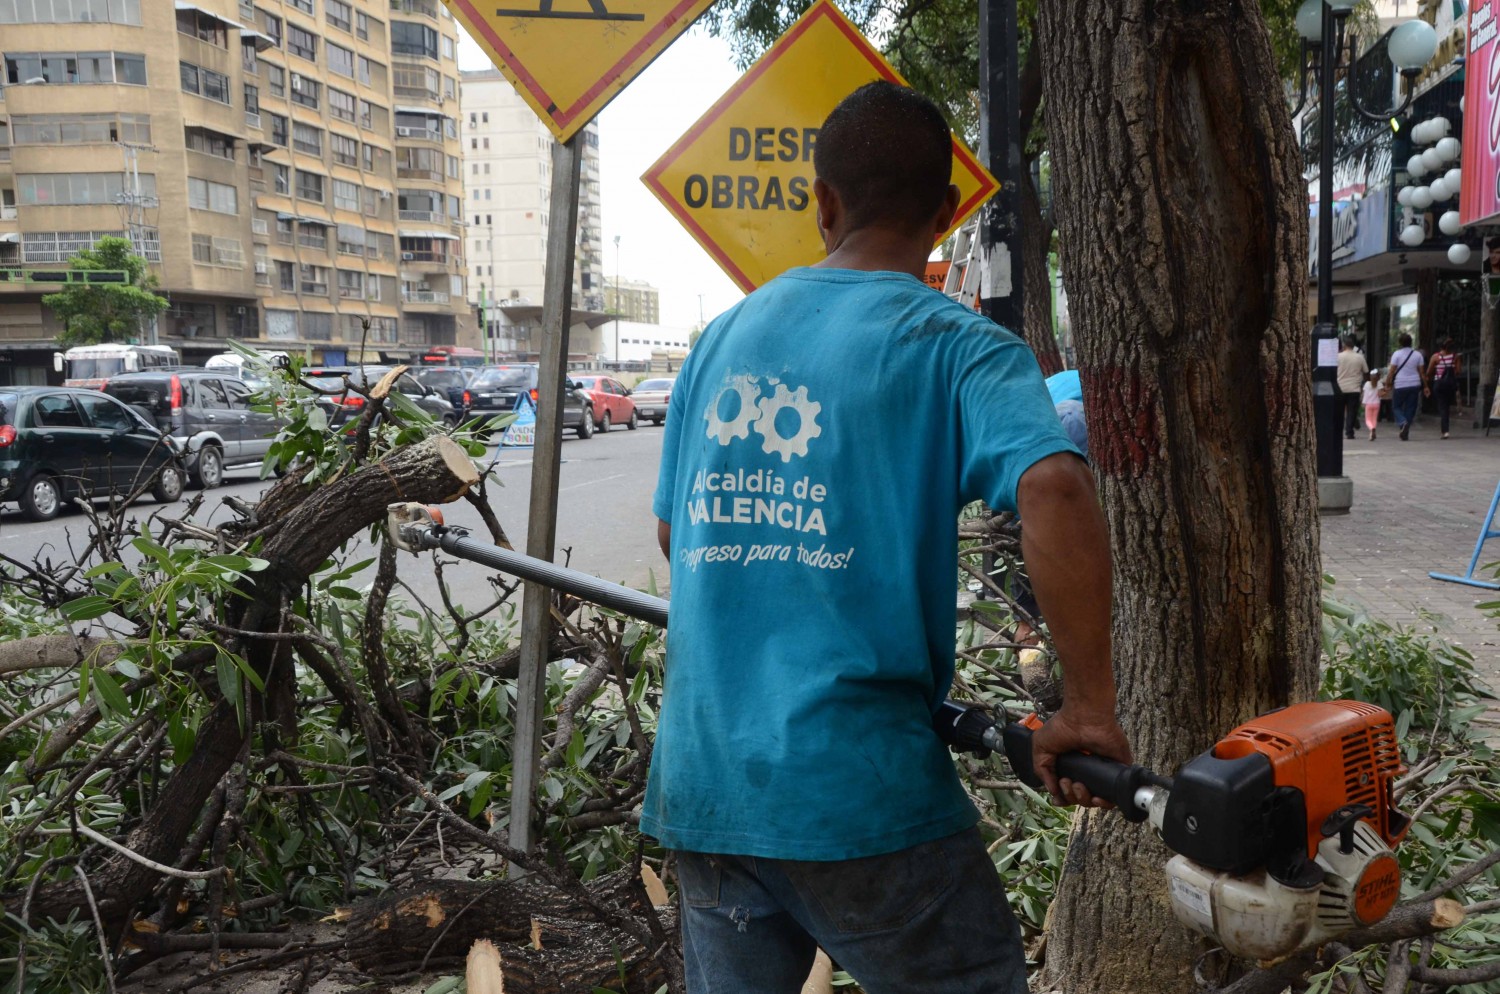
821	439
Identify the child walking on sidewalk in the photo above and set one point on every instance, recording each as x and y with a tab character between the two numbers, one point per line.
1370	397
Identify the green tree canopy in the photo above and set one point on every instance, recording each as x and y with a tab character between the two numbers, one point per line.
106	312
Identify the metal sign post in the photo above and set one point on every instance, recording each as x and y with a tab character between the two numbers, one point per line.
1000	150
541	523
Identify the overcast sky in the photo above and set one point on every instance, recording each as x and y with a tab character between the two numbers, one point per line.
634	130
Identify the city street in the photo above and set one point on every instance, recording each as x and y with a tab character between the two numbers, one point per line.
604	517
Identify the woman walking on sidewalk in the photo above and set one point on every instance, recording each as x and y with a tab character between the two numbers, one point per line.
1442	374
1408	382
1370	396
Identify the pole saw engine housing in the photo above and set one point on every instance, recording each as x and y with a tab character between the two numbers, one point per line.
1284	829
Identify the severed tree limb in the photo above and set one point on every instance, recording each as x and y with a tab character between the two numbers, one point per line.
433	471
59	651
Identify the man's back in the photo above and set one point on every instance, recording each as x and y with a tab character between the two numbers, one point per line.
822	437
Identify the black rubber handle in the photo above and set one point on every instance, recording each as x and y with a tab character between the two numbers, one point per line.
1116	782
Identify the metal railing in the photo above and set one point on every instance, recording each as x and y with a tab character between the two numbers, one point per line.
415	7
430	216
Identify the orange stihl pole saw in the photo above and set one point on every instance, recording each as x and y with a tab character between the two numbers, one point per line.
1283	830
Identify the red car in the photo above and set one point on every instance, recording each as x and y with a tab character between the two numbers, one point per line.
612	403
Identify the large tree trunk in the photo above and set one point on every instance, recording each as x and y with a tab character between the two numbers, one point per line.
1183	234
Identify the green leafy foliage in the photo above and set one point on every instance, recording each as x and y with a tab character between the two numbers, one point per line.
106	312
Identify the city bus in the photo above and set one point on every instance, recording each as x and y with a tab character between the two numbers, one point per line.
450	355
91	365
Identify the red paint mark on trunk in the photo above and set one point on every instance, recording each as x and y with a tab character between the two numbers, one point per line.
1121	408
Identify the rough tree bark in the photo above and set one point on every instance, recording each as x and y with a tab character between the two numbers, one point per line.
1178	199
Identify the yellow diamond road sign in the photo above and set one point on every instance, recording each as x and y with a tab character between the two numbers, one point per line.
741	179
568	58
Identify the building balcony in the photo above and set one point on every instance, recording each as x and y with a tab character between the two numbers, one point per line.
426	7
420	134
424	297
431	217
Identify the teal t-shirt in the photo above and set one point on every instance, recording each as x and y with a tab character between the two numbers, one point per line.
821	438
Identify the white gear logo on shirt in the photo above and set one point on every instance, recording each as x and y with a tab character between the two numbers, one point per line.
807	426
739	425
760	413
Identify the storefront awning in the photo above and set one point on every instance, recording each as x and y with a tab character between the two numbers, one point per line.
409	233
424	111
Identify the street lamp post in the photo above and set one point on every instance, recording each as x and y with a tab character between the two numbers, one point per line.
617	303
1412	45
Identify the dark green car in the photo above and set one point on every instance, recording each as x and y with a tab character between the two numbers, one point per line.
58	443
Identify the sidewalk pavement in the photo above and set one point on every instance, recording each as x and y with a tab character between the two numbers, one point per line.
1418	506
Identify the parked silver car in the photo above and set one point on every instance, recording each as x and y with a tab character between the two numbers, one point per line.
651	397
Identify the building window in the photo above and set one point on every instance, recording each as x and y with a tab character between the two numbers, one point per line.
362	26
279	130
317	327
78	189
216	251
486	117
262	268
270	26
281	325
367	157
345	150
341	105
252	98
283	231
312	235
345	195
367	70
303	44
313	279
286	276
340	60
209	143
205	83
305	91
77	129
306	6
195	24
351	284
276	80
206	195
306	138
450	87
309	186
351	240
61	68
338	13
408	38
249	64
71	12
447	47
282	178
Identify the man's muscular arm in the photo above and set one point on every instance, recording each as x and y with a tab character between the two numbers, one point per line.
664	537
1065	544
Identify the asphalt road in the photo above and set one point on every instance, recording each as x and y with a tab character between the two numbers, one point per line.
604	520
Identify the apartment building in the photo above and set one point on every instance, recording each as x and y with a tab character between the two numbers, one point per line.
633	300
508	184
291	169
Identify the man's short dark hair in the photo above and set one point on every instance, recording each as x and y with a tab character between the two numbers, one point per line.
1404	340
887	151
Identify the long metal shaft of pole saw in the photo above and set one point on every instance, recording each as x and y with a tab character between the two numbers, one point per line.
590	588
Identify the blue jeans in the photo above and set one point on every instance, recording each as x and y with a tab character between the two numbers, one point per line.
1404	402
931	919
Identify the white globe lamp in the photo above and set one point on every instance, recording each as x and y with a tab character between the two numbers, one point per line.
1412	45
1412	235
1449	223
1416	167
1458	254
1421	198
1439	190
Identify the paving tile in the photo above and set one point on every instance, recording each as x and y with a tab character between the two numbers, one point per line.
1418	506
